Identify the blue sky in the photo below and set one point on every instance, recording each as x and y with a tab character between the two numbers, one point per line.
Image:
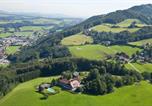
75	8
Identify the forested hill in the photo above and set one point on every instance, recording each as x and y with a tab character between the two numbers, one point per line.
142	12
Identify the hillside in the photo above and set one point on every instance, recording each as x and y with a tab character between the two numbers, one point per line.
12	23
99	52
20	30
117	17
105	60
142	42
129	95
77	39
137	12
108	28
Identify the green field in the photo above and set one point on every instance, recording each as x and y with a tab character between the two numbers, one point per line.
126	49
127	22
12	49
23	33
9	21
142	42
46	21
78	39
107	28
122	26
25	95
33	28
141	67
3	35
96	52
99	52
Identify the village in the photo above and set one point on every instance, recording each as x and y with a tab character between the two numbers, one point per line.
13	40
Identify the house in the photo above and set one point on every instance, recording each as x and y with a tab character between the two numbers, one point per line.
122	57
71	84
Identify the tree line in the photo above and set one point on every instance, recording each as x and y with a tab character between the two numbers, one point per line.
21	72
120	38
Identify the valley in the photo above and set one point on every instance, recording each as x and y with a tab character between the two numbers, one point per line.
105	60
21	31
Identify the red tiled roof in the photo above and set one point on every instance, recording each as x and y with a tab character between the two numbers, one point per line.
65	81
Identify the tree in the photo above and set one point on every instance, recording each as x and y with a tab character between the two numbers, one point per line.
146	75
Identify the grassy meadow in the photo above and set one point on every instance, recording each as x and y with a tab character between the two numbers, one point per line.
24	95
33	28
108	28
46	21
78	39
126	49
95	52
12	49
146	67
98	52
3	35
127	22
23	33
141	42
123	26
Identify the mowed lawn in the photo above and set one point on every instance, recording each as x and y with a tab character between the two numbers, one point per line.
78	39
99	52
25	95
141	42
12	49
141	67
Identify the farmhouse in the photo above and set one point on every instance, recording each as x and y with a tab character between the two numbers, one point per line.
122	57
71	84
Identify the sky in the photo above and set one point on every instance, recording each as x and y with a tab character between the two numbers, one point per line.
73	8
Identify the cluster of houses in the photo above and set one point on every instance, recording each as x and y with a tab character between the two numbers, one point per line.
3	56
14	41
11	41
64	83
122	57
70	84
142	59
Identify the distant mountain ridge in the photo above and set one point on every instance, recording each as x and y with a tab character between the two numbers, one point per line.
141	12
6	14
